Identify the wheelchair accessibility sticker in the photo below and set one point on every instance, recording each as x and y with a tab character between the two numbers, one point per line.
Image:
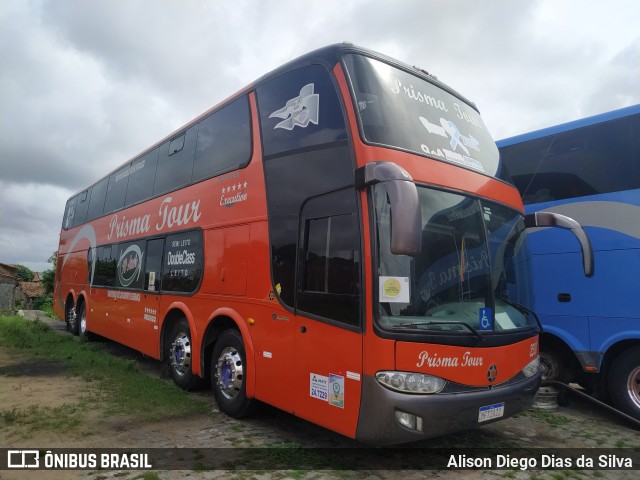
485	319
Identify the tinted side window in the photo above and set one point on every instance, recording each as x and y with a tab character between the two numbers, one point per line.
142	174
330	255
96	204
153	265
69	213
130	257
594	159
105	274
330	266
175	162
183	261
300	109
91	255
81	208
116	190
224	141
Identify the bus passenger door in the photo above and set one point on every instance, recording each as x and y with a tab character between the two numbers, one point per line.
328	357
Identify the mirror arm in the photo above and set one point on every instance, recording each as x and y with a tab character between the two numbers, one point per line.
551	219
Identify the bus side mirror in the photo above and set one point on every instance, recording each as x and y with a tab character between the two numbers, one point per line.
406	216
550	219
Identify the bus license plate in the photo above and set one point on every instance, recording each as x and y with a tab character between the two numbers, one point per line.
490	412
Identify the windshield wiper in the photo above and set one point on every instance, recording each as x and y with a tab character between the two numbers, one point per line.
477	334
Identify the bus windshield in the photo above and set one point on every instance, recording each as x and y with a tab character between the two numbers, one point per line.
401	110
470	276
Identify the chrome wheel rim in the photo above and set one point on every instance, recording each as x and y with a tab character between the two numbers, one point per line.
547	370
83	322
229	372
633	386
180	353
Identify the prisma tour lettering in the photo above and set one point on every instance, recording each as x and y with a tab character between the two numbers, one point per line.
418	96
435	361
168	216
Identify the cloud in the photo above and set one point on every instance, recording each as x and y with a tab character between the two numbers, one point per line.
31	220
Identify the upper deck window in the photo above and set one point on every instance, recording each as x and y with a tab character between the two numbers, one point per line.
300	109
224	141
401	110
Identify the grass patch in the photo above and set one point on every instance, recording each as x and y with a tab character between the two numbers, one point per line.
551	418
35	417
147	476
123	387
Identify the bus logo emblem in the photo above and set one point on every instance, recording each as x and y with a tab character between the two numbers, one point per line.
299	111
492	373
130	265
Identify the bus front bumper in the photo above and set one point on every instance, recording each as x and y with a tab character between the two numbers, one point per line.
440	414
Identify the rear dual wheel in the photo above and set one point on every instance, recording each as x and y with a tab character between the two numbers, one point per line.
229	375
180	357
71	319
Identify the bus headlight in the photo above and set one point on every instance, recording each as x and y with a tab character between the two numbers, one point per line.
532	367
409	382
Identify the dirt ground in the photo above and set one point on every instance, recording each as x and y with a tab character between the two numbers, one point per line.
29	383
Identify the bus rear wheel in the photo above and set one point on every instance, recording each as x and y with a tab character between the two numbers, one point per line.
180	356
81	320
624	382
228	375
71	319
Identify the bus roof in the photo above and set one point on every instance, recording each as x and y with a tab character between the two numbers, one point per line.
328	55
565	127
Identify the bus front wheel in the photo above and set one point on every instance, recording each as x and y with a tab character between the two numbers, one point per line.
228	375
624	382
553	367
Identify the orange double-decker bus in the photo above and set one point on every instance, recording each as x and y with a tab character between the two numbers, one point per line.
337	240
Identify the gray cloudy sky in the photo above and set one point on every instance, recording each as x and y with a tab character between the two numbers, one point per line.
87	84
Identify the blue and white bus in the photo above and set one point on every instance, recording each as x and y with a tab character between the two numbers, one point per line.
588	170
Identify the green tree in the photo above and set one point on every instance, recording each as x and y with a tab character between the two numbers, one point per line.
49	275
24	274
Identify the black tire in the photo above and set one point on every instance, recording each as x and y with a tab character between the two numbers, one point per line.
179	357
553	367
624	382
228	375
71	319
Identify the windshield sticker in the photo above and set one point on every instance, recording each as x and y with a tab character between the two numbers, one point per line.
319	387
336	390
450	131
299	111
394	289
485	319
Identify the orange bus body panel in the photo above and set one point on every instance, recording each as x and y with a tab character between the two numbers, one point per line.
467	366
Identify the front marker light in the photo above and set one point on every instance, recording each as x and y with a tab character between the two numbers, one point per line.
409	382
532	367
